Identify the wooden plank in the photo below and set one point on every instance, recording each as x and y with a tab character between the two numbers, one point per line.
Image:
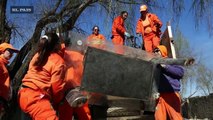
167	40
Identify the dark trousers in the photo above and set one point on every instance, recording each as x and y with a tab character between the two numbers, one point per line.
98	112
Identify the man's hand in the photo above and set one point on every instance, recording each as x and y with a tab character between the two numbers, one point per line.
127	34
189	61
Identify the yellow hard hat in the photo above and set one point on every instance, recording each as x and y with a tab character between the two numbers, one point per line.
143	8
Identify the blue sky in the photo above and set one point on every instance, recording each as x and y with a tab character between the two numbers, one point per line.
199	39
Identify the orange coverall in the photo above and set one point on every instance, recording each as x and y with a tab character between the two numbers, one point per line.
74	62
4	75
43	86
169	103
4	80
152	38
118	30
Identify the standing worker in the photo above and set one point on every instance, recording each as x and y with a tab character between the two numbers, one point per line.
6	53
97	102
118	29
148	26
44	82
169	102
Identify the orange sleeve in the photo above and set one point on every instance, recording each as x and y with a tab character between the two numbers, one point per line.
139	27
4	81
57	82
156	20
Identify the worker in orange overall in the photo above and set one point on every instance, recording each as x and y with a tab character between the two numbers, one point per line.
97	102
148	26
169	102
95	34
118	29
96	39
74	61
44	83
6	52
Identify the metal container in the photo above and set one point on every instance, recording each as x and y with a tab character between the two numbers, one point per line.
127	74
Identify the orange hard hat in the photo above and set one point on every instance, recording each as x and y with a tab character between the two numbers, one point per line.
5	46
163	50
143	8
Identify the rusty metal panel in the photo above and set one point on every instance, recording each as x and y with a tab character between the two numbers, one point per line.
165	40
125	75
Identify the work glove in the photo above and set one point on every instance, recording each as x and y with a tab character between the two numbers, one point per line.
126	34
163	65
189	61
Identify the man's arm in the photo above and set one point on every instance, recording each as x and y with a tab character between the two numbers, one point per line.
174	70
118	25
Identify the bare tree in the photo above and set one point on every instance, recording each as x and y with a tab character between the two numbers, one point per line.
20	64
198	78
204	79
202	11
5	30
69	11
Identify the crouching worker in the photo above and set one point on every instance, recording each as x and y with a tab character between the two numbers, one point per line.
6	53
75	103
169	102
43	83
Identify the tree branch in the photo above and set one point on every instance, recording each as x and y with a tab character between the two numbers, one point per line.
128	2
29	48
68	25
5	30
